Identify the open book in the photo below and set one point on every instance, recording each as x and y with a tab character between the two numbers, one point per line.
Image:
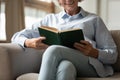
56	37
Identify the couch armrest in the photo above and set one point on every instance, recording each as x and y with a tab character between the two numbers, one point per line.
116	37
19	60
5	69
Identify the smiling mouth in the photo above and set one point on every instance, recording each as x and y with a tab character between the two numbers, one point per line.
69	3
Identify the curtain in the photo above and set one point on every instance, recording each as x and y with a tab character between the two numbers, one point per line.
14	17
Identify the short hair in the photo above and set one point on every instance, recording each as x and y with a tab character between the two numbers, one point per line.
57	3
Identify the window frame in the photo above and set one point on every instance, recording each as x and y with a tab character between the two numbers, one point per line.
43	6
48	7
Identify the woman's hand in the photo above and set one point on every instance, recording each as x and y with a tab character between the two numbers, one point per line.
36	43
86	48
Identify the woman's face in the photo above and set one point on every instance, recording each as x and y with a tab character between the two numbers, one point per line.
69	5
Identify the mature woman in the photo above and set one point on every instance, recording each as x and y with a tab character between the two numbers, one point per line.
91	58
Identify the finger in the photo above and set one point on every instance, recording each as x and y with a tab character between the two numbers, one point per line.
42	38
82	49
78	45
84	42
39	40
42	46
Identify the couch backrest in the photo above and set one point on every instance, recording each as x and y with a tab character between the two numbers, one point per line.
116	37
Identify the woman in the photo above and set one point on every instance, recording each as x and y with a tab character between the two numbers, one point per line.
91	58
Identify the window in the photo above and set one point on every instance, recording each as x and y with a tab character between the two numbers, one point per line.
35	10
2	22
33	15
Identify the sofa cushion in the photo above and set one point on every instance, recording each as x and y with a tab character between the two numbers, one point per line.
116	37
34	76
116	76
28	76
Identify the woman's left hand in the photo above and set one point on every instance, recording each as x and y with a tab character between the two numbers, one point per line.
86	48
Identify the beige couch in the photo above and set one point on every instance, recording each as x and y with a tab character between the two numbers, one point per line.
16	62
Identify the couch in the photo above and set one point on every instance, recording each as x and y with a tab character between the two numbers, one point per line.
24	64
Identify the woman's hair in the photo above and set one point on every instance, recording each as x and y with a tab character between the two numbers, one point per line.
80	0
57	2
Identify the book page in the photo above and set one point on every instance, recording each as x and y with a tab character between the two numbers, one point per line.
50	29
70	30
56	30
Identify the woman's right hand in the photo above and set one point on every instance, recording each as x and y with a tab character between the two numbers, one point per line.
36	43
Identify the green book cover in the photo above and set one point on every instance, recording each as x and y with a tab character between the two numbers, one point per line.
65	38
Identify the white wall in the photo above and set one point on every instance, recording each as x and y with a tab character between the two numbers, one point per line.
110	12
89	5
